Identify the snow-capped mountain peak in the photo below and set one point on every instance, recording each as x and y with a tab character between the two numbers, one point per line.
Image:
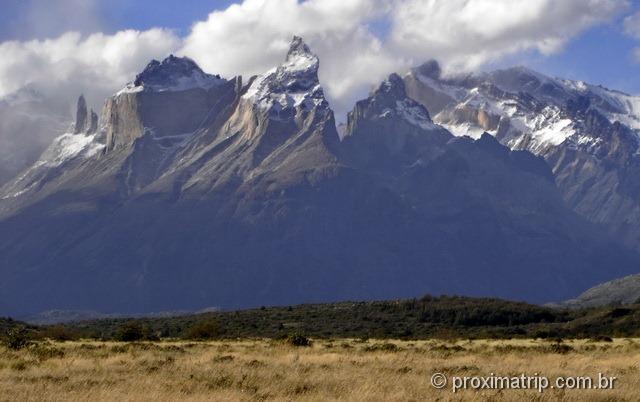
300	58
172	74
294	83
524	108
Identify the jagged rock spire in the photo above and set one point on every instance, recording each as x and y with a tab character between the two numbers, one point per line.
86	120
93	125
81	115
300	69
293	83
298	47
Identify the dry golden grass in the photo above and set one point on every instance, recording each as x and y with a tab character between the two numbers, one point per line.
329	370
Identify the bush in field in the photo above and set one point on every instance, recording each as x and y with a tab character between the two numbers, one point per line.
17	338
298	340
130	331
601	338
203	330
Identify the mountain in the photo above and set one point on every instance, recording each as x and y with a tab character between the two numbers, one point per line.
200	191
29	121
618	291
587	134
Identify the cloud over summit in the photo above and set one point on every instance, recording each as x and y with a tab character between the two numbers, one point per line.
252	36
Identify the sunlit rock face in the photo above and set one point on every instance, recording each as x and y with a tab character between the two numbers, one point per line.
169	98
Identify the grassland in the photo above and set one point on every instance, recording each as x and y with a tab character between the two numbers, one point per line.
360	351
338	369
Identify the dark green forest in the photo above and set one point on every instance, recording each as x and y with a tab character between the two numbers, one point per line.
442	317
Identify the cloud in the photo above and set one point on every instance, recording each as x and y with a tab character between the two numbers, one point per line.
59	70
251	37
464	34
70	64
631	25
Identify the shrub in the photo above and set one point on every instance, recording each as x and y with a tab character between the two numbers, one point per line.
298	340
151	336
557	348
130	331
601	338
203	330
17	338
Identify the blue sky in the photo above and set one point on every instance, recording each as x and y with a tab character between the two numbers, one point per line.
599	55
17	19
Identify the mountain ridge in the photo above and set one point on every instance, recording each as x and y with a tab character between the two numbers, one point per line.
242	194
589	135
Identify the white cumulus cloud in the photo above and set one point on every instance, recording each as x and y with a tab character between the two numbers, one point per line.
70	64
467	33
358	41
252	36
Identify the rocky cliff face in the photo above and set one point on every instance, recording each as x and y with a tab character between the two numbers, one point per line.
587	134
81	116
86	121
200	191
169	98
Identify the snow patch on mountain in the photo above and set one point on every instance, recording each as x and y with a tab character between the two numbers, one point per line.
628	105
532	103
464	129
64	148
68	146
546	127
414	114
550	127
